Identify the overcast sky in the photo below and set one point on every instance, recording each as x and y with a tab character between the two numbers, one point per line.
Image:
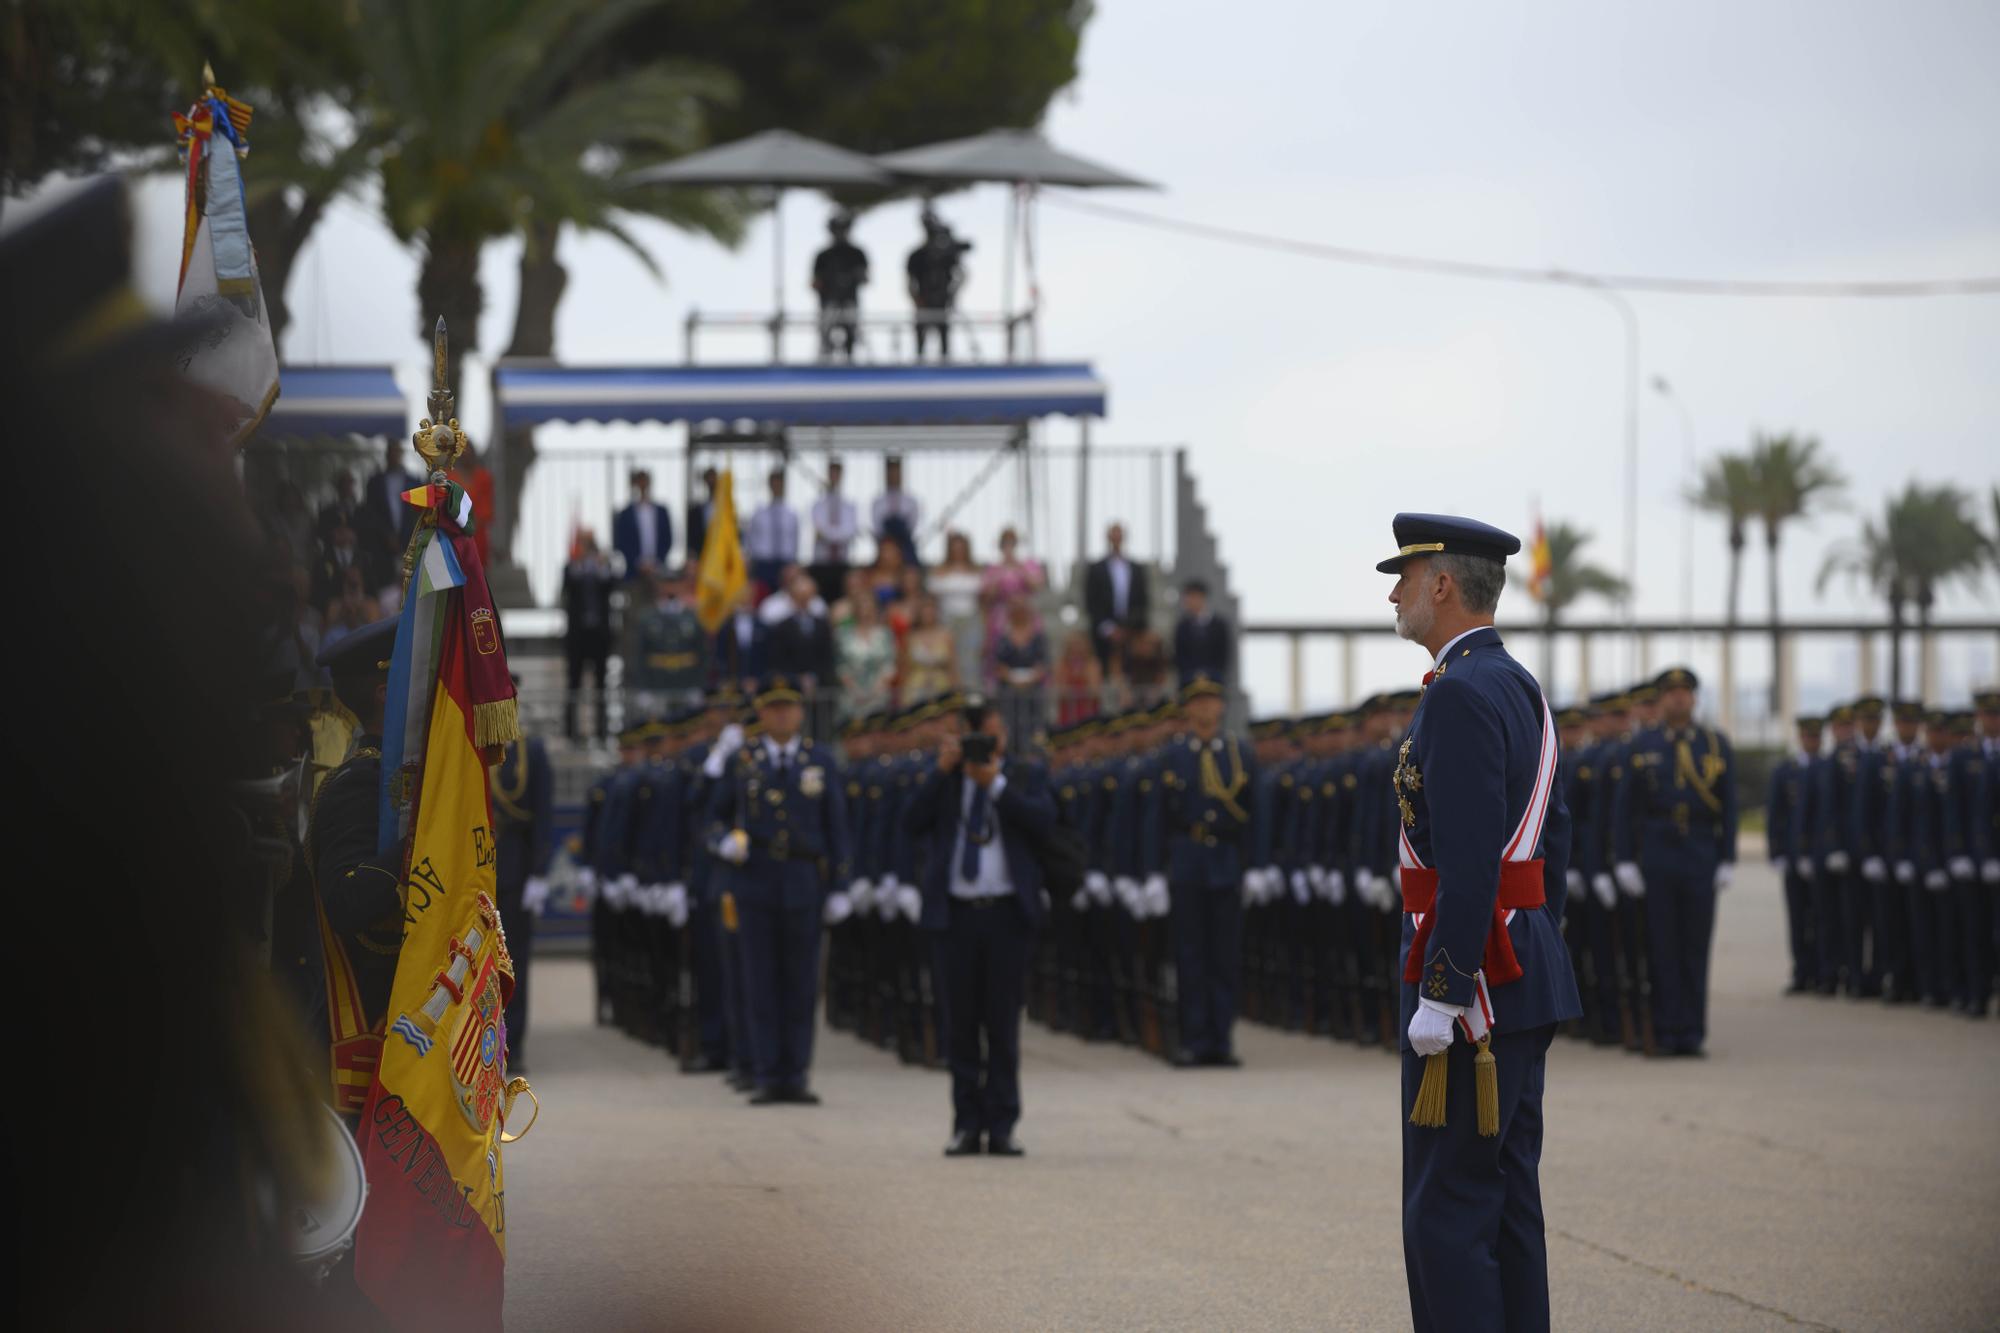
1821	140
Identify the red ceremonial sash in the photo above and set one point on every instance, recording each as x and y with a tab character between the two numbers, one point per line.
1520	889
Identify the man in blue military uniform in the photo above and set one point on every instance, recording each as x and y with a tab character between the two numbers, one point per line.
983	813
1199	810
779	815
1674	839
523	787
1483	840
1787	815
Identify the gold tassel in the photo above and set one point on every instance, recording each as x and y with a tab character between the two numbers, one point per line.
1486	1088
496	723
1428	1113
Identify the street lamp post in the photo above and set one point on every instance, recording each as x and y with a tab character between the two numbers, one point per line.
1631	319
1666	391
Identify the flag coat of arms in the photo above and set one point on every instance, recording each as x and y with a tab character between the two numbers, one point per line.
232	353
431	1248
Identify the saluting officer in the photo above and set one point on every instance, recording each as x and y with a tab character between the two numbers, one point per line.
1674	836
779	815
1483	836
1199	809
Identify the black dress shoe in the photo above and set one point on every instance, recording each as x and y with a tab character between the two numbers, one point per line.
801	1096
703	1064
1224	1060
964	1143
769	1097
1185	1059
1004	1145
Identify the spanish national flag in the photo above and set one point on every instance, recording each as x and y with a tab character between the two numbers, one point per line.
1541	562
722	570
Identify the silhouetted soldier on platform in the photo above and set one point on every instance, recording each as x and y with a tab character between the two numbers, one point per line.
839	273
936	272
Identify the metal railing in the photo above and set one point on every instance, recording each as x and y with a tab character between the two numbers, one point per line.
795	338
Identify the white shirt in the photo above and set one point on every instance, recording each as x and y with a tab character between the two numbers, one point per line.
992	880
895	504
649	532
774	533
788	753
835	524
1121	584
779	607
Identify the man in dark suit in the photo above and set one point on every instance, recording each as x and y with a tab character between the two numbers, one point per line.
742	646
384	521
1114	596
1204	647
642	532
1483	849
698	514
802	648
983	812
586	597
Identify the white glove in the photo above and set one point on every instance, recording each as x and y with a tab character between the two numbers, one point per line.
1316	876
1336	887
1127	890
1725	874
1253	887
586	880
734	847
535	894
1806	869
726	744
1605	888
1156	895
1364	884
1080	901
1906	872
1989	870
1629	879
839	907
1574	879
1961	867
1301	887
911	901
1936	881
1431	1030
1837	862
1098	885
1780	864
674	904
1874	870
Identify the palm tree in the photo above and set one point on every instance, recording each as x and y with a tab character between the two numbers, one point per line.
1728	487
1569	578
1790	478
1926	541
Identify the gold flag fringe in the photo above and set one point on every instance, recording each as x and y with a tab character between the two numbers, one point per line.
496	723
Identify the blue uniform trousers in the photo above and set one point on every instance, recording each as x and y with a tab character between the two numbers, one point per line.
1857	924
1680	930
780	941
1829	938
1975	925
1925	917
1208	965
1604	953
982	955
705	958
1892	936
1801	922
1473	1246
735	1000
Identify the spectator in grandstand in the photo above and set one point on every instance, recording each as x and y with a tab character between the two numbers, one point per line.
895	512
783	603
884	578
1078	680
350	607
1021	669
477	479
930	662
742	646
586	595
867	660
1005	579
957	584
1203	643
773	540
386	520
802	645
1114	597
343	508
642	532
292	520
698	514
835	525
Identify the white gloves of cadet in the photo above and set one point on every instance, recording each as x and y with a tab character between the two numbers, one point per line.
1906	872
1629	879
1365	885
586	881
1302	890
1805	869
1961	867
726	744
1157	903
1937	881
1725	875
1989	870
1098	885
674	904
734	847
1574	879
1431	1029
1875	870
910	901
838	908
1837	862
535	894
1605	888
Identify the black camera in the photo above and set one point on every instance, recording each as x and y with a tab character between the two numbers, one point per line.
980	748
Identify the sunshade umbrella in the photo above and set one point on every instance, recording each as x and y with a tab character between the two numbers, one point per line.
778	159
1022	158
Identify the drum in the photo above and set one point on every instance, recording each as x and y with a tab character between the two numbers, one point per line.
319	1229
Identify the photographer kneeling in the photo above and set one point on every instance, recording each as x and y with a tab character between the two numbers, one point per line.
985	816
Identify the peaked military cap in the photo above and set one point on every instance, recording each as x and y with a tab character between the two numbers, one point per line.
1269	728
1442	534
1937	719
366	649
1572	716
1807	722
1201	687
779	689
1840	713
1677	678
1645	692
1909	710
1868	705
1987	700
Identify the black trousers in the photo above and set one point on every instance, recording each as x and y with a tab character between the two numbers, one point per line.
518	924
1801	927
982	960
1208	964
586	649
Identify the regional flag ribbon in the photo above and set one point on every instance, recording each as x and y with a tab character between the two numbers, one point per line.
431	1248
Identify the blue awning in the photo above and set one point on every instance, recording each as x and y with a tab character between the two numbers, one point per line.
337	400
800	395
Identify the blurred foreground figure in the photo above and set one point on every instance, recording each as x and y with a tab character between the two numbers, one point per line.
1484	849
175	1069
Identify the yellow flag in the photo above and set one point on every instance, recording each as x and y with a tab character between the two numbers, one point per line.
722	571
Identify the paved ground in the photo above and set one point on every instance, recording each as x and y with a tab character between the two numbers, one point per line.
1830	1165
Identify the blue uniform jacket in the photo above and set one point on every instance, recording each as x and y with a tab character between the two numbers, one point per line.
1472	755
1207	837
796	821
1676	803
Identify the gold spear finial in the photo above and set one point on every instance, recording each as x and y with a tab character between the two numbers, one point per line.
438	437
207	75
